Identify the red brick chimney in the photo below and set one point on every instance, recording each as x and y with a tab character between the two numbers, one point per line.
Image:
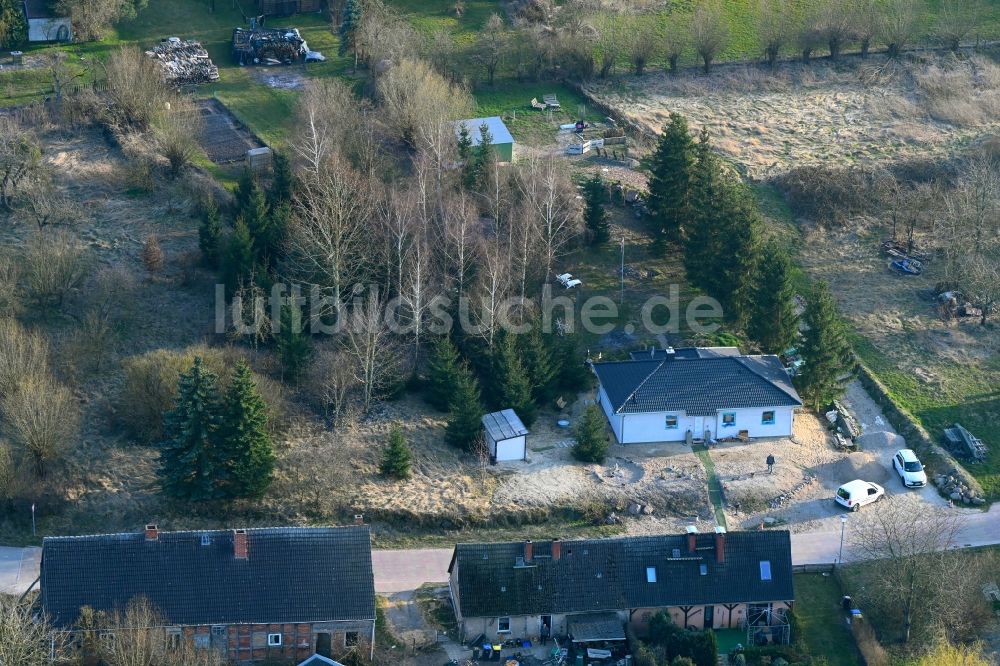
556	550
529	550
692	533
720	544
240	550
359	519
152	534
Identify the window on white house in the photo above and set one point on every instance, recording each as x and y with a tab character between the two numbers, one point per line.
767	418
202	641
650	574
671	421
274	640
350	638
503	625
173	638
728	419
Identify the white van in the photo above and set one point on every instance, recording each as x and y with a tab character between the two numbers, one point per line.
857	493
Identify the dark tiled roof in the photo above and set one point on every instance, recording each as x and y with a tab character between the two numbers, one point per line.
658	353
696	385
290	575
611	574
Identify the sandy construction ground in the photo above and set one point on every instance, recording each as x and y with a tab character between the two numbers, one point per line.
768	121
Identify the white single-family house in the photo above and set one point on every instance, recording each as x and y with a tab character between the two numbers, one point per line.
662	395
45	24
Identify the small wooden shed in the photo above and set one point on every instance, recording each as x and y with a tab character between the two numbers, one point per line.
506	436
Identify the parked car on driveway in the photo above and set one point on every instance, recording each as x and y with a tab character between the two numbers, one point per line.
910	471
857	493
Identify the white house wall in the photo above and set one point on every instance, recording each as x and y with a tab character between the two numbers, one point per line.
652	427
750	420
614	419
510	449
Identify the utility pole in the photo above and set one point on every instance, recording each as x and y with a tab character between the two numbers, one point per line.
621	298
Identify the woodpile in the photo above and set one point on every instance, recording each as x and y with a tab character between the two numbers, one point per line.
183	62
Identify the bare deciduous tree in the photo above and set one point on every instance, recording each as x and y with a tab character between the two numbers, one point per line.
674	43
43	418
773	28
956	21
907	553
490	45
25	638
809	35
383	35
136	93
551	197
176	133
866	16
54	264
331	380
20	157
92	18
327	234
836	25
609	44
709	32
372	347
414	94
900	20
460	240
44	203
494	285
22	353
642	43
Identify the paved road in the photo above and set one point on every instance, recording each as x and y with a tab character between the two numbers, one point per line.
18	568
405	570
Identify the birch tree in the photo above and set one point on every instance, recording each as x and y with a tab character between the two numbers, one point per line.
551	197
328	232
373	350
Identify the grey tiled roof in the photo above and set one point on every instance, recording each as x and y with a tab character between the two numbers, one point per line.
696	385
610	574
290	575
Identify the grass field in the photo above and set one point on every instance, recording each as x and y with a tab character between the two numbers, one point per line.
821	622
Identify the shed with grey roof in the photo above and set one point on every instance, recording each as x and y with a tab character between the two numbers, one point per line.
506	436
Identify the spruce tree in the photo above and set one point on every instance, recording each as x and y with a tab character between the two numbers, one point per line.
442	371
478	166
282	181
594	215
465	411
245	188
13	27
192	466
702	243
350	21
256	215
291	342
513	382
591	436
464	142
396	457
210	234
828	362
736	267
238	264
539	361
772	322
670	180
244	436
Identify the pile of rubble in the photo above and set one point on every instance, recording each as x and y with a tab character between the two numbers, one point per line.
183	62
268	46
951	486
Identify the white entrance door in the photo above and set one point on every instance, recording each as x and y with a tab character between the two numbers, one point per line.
699	427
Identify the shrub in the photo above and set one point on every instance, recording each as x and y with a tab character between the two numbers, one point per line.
42	417
54	265
396	458
152	254
22	353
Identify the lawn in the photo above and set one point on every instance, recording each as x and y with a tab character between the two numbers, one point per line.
821	622
430	16
512	102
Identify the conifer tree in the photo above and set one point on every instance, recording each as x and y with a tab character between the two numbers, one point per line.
244	436
539	361
442	372
245	188
465	411
350	21
282	181
670	181
702	244
192	466
736	264
828	362
464	142
210	234
591	436
256	215
291	342
396	457
482	155
512	380
772	321
594	215
238	265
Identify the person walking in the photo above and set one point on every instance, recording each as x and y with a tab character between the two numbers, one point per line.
770	463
